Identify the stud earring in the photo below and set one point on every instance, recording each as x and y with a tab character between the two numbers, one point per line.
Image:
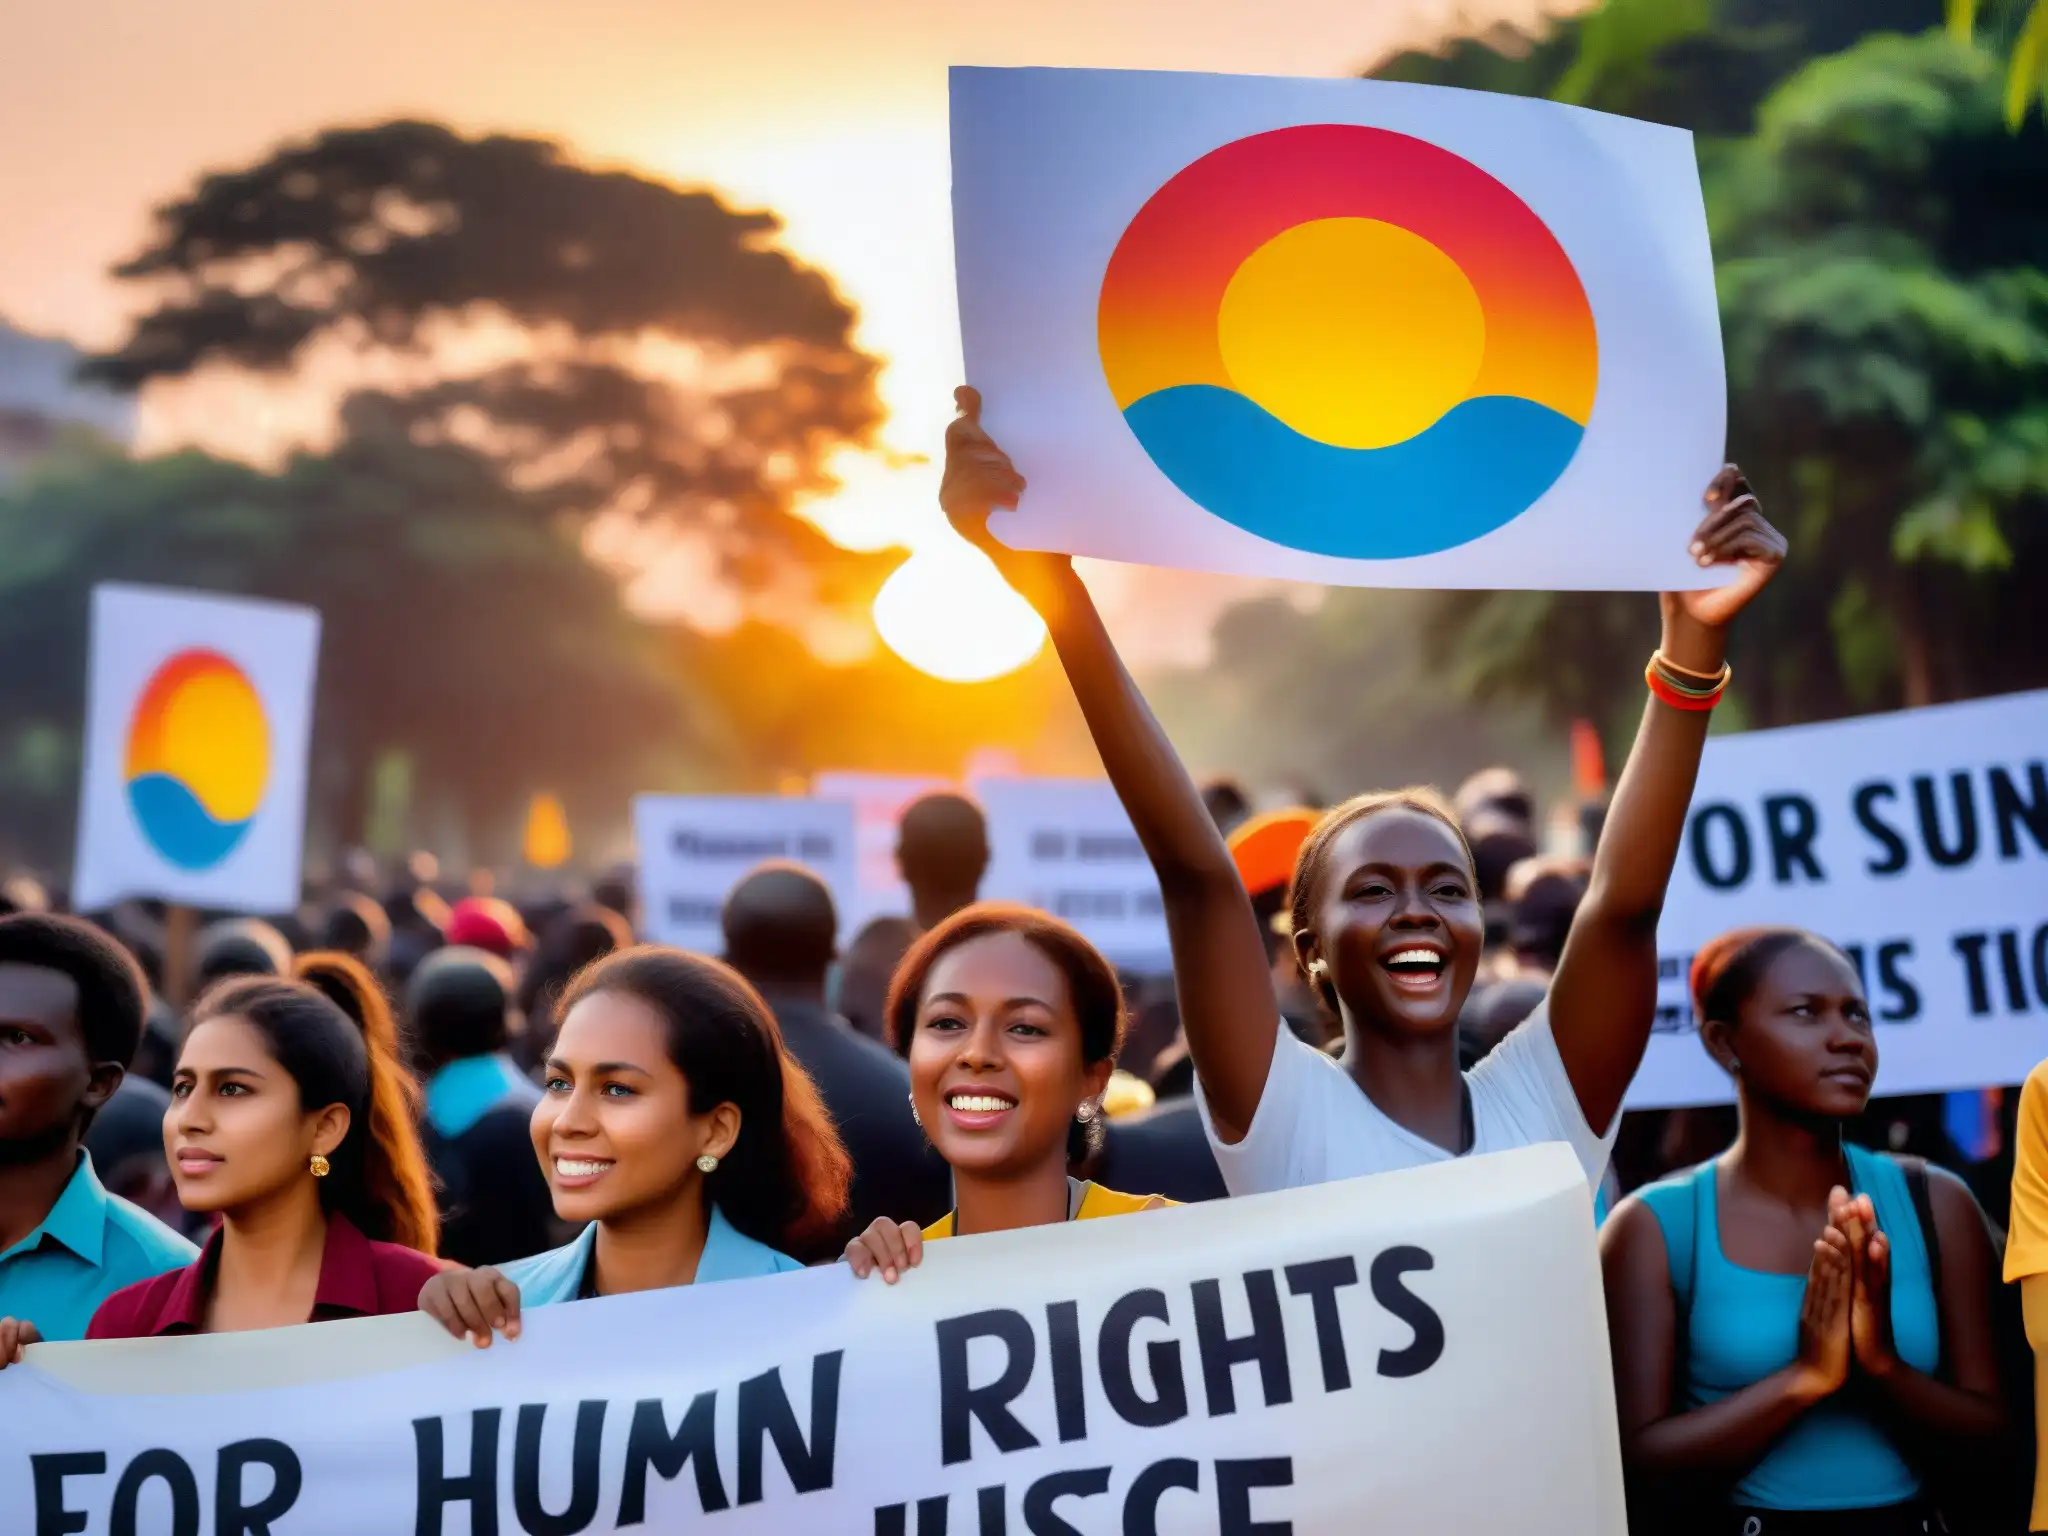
320	1166
1319	972
1087	1112
707	1164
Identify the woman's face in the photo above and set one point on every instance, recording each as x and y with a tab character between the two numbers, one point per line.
613	1129
996	1063
1398	921
236	1132
1803	1040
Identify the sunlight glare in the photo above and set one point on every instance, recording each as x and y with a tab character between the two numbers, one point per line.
947	613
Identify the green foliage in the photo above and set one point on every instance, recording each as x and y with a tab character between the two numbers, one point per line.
1882	249
667	360
2027	73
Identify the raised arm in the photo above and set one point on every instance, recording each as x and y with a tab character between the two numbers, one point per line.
1604	996
1219	959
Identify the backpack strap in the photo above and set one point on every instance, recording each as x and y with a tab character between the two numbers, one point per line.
1915	1170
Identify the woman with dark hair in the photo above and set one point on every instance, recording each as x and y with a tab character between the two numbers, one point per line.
1010	1021
292	1120
675	1122
1386	916
1801	1327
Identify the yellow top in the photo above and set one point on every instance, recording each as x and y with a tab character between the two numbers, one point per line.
1093	1200
2026	1259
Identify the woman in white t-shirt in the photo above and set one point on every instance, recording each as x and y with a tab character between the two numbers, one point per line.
1385	906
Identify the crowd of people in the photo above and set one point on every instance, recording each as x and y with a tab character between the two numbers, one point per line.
470	1110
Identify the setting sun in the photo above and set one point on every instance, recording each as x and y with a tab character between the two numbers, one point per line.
947	612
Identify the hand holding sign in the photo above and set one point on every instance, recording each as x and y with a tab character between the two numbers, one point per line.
1732	533
980	478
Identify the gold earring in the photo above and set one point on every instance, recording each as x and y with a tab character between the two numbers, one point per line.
707	1164
320	1166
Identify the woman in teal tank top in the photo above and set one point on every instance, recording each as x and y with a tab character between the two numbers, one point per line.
1789	1355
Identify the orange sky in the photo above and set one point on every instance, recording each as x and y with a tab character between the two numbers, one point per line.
832	114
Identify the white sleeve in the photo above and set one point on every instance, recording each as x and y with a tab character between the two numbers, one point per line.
1523	1087
1285	1147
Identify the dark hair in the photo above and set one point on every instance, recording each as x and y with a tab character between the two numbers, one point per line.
1727	968
779	924
456	1005
357	926
942	841
1092	984
242	946
579	937
113	996
1315	851
332	1032
786	1179
1226	802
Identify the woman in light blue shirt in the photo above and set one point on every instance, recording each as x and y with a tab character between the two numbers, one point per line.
676	1124
1801	1328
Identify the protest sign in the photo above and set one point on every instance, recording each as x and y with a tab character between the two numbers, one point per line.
1919	842
1066	845
878	800
199	710
1345	331
694	849
1318	1361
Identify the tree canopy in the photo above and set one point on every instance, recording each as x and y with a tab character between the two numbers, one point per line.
614	344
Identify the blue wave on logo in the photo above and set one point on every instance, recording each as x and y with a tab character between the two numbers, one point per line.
178	826
1483	463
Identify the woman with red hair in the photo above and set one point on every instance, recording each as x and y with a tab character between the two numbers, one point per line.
1801	1328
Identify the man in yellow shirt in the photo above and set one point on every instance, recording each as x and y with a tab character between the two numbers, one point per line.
2026	1260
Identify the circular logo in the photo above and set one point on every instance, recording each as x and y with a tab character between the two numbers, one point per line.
198	758
1348	341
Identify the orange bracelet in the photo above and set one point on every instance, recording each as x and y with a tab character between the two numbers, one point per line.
1664	693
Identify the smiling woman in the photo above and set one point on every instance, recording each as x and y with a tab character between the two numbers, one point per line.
676	1123
1012	1021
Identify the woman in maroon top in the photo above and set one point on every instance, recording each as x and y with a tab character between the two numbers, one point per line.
291	1119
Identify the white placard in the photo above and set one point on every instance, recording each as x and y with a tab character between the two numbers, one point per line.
1320	1361
199	712
878	801
1919	842
694	848
1066	845
1344	331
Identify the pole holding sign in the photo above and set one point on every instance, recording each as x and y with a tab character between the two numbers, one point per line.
199	713
1347	331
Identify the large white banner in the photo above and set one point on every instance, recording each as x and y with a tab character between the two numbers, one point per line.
694	848
1919	842
1323	1361
1066	845
1344	331
199	712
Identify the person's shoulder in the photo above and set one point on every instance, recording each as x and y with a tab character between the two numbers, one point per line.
398	1267
548	1277
1099	1201
131	1312
139	1246
2034	1102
